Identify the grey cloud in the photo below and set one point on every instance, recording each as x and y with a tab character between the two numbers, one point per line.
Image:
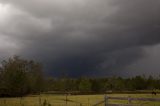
83	37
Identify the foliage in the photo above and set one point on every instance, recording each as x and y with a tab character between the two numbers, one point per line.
20	77
104	84
85	85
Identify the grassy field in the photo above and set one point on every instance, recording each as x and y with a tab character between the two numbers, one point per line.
78	100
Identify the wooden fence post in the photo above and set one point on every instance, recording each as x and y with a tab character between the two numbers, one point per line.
21	102
40	102
88	102
5	102
66	99
105	100
129	100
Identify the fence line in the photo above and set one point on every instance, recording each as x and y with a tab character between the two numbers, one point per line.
129	99
135	99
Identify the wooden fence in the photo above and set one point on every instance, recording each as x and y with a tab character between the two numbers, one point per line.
129	99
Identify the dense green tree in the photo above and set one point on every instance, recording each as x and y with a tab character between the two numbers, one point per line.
98	85
85	85
139	83
20	77
35	76
14	78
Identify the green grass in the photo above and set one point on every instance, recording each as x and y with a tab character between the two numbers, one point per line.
85	100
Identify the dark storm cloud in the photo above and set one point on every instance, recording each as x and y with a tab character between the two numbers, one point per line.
83	37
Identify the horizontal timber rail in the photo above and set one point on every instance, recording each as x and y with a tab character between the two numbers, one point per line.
135	99
129	99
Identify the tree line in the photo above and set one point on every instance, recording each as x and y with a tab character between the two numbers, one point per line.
101	85
19	77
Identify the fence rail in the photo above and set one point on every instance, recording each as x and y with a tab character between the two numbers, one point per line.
135	99
129	99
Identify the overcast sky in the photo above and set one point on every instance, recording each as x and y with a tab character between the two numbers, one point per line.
83	37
